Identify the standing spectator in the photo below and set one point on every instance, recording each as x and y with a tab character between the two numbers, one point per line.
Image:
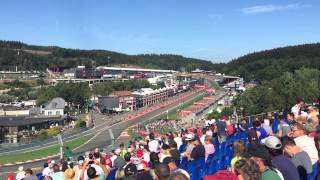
69	174
279	161
119	161
303	141
266	126
239	150
177	139
256	134
78	168
21	174
221	130
29	175
175	154
198	151
283	128
243	126
208	146
299	158
154	145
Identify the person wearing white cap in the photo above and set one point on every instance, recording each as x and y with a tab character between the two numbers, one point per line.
279	161
21	174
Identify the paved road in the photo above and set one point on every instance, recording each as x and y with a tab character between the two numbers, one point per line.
102	138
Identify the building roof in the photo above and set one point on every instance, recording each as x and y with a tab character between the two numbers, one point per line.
26	120
55	103
13	108
121	93
137	69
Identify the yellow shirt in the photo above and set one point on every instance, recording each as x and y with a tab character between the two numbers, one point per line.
234	160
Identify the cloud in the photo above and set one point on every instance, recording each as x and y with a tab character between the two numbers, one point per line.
271	8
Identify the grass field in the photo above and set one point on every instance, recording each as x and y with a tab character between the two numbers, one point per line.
173	113
51	150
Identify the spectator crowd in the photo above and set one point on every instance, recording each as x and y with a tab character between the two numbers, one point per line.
279	146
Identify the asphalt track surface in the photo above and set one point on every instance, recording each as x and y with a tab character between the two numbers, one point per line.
102	139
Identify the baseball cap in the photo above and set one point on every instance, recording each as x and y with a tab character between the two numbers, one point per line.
272	142
130	169
189	137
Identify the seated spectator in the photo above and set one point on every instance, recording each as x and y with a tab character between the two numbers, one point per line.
92	174
208	146
162	171
247	170
239	150
29	175
299	158
261	156
303	141
173	166
131	171
178	176
69	174
279	161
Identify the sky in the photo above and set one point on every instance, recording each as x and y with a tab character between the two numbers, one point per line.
213	30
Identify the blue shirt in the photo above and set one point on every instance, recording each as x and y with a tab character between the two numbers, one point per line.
263	133
286	167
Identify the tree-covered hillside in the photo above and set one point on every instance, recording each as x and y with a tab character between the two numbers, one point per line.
40	57
270	64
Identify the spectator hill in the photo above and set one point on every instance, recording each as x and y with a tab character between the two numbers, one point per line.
32	57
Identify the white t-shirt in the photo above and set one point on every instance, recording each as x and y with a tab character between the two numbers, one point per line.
307	144
178	140
154	146
47	171
20	175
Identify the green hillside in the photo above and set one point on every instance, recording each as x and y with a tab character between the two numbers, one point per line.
270	64
40	57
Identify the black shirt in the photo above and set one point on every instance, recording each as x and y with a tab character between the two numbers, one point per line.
198	152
